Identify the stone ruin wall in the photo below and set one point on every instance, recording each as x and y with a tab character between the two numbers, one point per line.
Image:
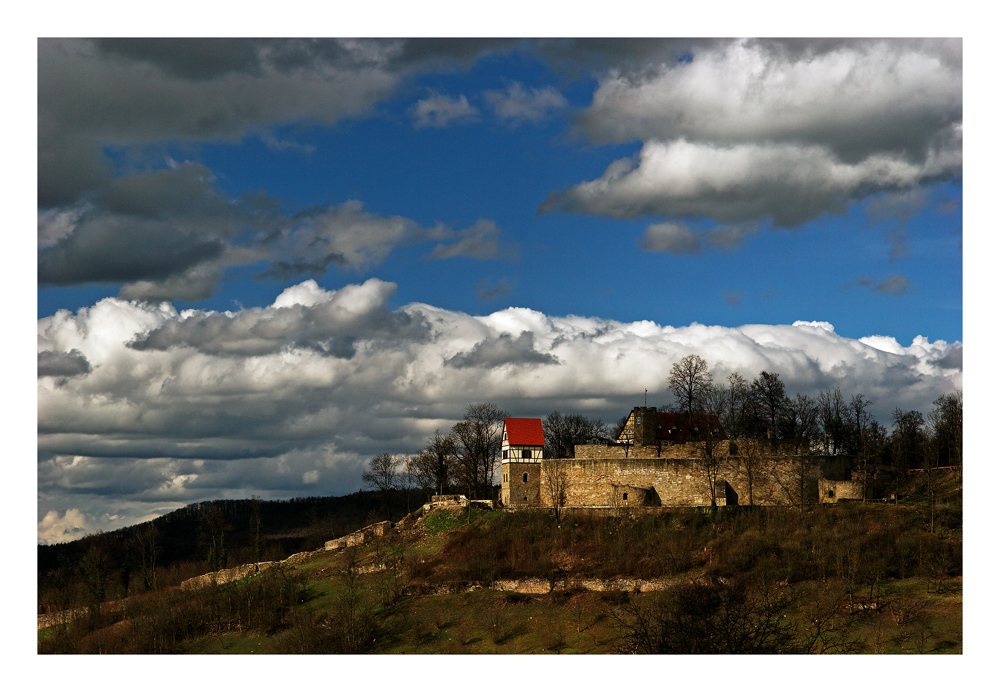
679	481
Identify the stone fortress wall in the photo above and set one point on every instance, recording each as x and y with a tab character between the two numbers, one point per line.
680	480
642	469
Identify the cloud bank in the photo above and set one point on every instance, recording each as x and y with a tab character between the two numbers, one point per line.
756	130
142	408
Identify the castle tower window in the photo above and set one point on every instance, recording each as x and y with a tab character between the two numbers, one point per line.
525	477
625	497
505	453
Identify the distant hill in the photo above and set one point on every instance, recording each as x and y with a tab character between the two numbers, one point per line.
288	526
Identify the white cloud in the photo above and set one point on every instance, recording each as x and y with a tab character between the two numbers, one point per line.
748	131
72	524
193	417
787	183
519	104
441	111
855	98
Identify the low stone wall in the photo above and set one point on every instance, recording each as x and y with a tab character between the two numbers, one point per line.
835	491
541	587
224	576
63	617
360	536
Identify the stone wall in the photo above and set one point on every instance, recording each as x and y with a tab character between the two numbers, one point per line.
834	491
359	536
224	576
521	484
682	481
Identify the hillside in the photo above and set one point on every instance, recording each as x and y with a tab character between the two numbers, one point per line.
847	578
180	543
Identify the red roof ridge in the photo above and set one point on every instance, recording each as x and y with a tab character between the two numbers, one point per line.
524	431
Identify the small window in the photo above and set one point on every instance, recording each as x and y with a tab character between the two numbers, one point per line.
505	452
525	453
625	497
829	493
733	449
525	476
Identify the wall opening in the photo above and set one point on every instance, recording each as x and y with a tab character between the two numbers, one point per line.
525	476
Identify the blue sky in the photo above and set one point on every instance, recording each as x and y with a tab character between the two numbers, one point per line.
262	262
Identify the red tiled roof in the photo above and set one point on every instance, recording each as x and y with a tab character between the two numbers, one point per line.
524	431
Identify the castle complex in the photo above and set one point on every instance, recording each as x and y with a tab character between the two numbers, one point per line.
667	459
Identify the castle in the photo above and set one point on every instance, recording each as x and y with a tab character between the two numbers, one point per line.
667	459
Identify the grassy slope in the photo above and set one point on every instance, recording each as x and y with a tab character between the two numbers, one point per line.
917	590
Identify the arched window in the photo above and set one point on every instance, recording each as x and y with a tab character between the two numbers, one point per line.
525	477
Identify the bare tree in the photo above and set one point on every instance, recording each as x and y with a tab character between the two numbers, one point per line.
750	461
381	477
832	419
147	549
479	436
564	432
907	443
713	405
689	380
735	415
948	428
800	421
555	480
214	527
861	427
436	465
95	570
768	392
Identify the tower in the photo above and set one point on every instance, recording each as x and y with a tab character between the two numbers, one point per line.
521	462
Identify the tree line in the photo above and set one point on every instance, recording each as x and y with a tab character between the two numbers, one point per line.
829	424
755	414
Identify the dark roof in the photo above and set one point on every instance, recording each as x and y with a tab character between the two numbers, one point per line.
524	431
676	427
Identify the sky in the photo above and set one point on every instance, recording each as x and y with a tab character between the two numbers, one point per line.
262	262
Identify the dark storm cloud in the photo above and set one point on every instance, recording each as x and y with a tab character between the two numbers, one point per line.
168	234
503	350
116	249
146	227
135	92
952	360
195	58
71	364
